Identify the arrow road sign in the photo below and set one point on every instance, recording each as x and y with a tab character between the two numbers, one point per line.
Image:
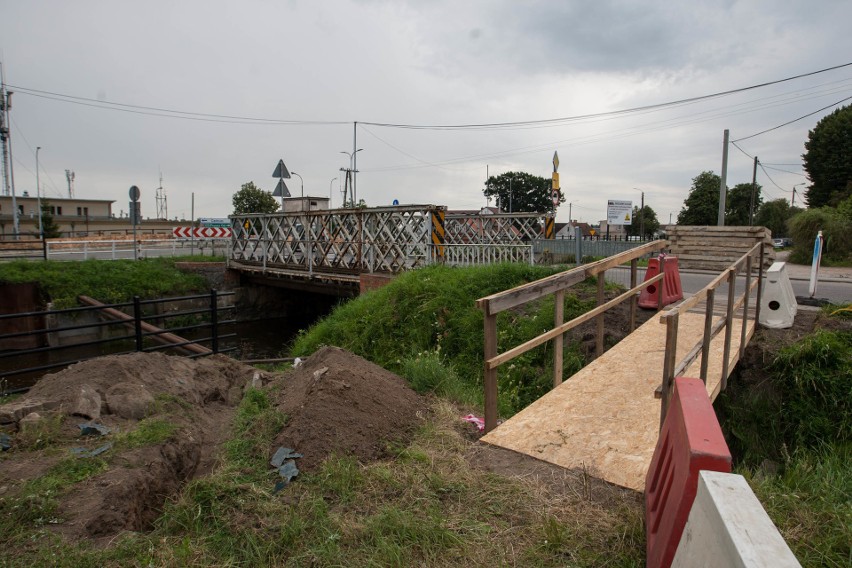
201	232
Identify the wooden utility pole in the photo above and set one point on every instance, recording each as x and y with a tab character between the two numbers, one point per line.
753	193
723	184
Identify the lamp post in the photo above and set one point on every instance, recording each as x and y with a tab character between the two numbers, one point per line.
793	197
329	191
302	182
352	169
641	215
38	195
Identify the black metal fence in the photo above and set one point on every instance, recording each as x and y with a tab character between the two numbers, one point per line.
32	250
36	342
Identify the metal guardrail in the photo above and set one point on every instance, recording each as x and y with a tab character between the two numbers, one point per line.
565	250
478	254
134	333
124	249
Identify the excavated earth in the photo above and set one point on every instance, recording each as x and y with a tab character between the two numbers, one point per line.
336	403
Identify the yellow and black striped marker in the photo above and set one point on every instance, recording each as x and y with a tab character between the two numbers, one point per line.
548	227
438	232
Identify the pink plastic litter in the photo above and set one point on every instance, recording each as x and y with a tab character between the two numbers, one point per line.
479	422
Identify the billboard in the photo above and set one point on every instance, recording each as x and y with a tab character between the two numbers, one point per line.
619	212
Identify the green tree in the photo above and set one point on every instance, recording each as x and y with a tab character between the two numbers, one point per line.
252	199
828	159
520	191
49	226
738	204
836	229
651	223
701	207
774	216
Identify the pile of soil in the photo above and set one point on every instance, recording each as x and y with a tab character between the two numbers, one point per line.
339	403
197	396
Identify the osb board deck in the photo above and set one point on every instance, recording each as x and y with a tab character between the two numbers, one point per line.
605	418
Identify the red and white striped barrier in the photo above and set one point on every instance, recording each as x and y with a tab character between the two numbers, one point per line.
202	232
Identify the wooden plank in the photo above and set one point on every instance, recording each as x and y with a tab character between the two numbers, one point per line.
599	331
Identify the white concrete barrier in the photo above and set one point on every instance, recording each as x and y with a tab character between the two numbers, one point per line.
777	302
727	526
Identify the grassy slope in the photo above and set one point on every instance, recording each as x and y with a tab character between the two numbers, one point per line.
425	326
108	281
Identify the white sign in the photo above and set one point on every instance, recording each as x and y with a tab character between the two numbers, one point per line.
214	222
619	212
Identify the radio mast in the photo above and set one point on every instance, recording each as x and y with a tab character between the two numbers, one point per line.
162	207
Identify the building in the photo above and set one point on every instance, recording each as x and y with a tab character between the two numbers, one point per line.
300	204
75	217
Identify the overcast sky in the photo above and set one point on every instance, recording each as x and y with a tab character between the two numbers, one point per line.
441	62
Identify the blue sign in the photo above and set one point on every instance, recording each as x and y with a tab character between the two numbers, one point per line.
396	201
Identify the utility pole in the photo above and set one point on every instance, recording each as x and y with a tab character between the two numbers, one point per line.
38	195
723	184
354	162
753	192
6	136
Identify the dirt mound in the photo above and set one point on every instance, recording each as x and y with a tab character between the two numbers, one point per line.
167	417
339	403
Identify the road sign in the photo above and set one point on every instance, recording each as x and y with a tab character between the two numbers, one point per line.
555	162
619	212
281	171
281	189
555	180
201	232
214	222
134	193
555	197
396	202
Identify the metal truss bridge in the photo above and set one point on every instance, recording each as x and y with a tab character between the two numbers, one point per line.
332	248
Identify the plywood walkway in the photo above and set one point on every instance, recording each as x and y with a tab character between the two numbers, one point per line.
605	418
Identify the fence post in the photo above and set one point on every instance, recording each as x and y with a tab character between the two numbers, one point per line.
744	332
759	287
137	322
214	321
729	320
599	335
558	319
490	374
578	246
669	362
635	299
44	247
708	326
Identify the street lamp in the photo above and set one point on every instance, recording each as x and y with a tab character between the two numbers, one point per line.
303	186
793	197
38	195
352	168
641	215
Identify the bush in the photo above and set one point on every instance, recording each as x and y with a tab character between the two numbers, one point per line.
836	229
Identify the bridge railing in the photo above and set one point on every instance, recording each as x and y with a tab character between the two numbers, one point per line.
478	254
556	285
388	239
671	366
495	228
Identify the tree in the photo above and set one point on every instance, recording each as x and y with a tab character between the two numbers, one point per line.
738	204
650	222
252	199
774	216
520	191
48	225
701	207
828	159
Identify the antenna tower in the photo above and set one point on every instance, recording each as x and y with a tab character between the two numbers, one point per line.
69	176
162	207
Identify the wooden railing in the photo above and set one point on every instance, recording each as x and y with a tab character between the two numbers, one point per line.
557	284
673	368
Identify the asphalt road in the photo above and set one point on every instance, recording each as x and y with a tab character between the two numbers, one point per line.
836	292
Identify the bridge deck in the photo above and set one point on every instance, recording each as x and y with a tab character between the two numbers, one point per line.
605	419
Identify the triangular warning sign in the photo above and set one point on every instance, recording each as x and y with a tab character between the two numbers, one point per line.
281	189
281	171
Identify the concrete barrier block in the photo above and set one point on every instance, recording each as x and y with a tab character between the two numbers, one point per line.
728	526
778	305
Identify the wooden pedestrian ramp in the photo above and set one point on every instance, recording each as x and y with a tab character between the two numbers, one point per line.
605	419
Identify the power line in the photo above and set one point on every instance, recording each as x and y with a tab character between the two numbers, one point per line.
794	120
785	171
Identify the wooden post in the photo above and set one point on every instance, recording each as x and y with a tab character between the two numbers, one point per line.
599	335
490	374
744	332
669	362
708	324
759	287
729	320
558	318
635	299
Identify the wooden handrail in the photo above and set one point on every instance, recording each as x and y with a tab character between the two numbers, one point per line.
673	368
556	284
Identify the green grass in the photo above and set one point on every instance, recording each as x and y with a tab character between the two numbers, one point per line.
110	281
426	327
148	432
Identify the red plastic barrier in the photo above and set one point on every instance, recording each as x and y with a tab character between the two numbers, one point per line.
672	289
691	440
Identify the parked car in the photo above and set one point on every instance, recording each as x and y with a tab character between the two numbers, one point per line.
782	242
